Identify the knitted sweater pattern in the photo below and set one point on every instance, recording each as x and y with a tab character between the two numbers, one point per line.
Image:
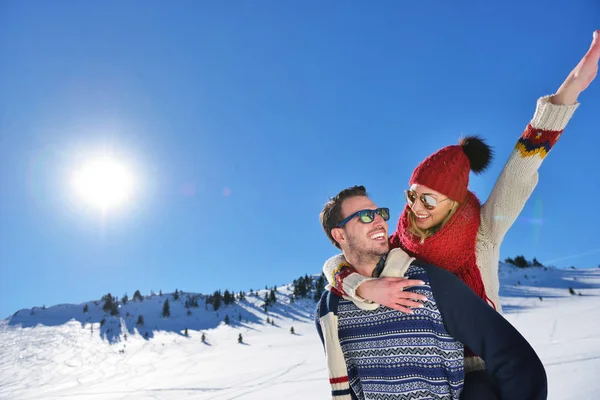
389	354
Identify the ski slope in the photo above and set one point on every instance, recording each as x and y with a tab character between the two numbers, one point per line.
61	353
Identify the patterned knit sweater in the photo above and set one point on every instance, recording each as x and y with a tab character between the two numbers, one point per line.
408	355
512	189
380	353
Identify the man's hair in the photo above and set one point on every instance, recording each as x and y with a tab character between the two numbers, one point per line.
332	211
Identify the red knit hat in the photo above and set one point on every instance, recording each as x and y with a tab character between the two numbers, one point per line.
447	170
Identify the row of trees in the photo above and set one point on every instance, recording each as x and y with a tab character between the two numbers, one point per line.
218	298
522	262
306	286
303	287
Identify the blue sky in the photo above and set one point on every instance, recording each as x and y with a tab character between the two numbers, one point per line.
240	119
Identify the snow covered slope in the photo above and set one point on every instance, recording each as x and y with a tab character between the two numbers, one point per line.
61	352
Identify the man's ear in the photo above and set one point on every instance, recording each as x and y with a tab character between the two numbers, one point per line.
338	234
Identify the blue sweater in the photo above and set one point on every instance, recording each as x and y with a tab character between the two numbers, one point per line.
391	355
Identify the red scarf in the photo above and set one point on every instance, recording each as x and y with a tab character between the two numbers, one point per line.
452	247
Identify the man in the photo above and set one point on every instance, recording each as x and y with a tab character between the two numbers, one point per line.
375	352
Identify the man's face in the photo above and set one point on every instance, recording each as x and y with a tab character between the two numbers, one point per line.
364	240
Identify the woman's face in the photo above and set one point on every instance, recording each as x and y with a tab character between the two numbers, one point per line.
419	197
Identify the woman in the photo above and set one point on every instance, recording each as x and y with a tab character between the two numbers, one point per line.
445	224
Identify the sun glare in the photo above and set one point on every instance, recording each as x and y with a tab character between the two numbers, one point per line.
103	183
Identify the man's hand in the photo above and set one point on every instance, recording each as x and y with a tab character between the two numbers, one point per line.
581	76
389	292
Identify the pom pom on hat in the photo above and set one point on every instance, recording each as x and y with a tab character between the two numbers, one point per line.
447	170
478	152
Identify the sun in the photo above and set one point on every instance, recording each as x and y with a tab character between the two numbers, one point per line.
104	183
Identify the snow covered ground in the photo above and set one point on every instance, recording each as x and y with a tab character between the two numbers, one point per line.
61	352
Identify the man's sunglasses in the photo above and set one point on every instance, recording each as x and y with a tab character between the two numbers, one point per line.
429	202
367	216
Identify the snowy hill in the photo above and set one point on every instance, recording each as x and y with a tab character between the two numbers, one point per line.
64	352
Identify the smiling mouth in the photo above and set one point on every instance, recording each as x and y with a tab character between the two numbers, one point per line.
421	217
378	236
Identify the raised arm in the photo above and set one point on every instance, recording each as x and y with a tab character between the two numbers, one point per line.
520	174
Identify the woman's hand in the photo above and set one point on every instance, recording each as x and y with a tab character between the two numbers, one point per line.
389	292
581	76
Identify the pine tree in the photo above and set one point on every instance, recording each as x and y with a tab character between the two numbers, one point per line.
240	339
203	338
191	301
272	297
302	286
166	309
124	299
215	299
85	308
228	297
227	319
109	305
521	262
186	332
138	296
140	320
319	287
292	330
176	295
239	316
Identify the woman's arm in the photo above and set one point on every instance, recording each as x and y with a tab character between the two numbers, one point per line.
387	291
520	174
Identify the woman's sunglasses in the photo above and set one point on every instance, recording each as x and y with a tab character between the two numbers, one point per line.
429	202
367	216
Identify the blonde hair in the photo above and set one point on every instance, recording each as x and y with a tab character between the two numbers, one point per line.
425	233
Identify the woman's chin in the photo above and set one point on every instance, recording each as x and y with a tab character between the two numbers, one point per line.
423	223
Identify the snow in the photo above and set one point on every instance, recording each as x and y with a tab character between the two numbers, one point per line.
60	352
